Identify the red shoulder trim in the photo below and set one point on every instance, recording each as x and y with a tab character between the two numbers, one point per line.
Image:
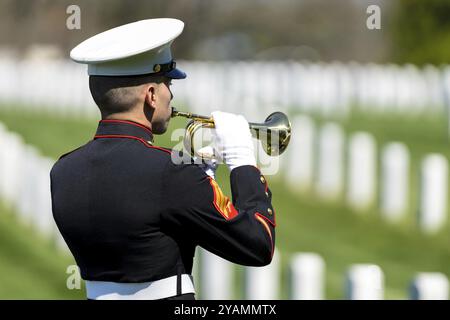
148	145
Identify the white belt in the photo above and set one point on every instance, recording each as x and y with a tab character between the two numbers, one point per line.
159	289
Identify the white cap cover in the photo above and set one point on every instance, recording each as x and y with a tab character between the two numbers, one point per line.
141	47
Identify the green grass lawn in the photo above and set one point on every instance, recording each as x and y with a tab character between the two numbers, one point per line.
305	224
31	267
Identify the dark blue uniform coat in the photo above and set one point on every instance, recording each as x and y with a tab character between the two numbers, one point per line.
129	214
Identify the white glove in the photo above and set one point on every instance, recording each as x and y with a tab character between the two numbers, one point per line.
209	166
233	140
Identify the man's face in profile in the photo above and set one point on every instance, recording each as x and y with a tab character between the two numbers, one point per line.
163	110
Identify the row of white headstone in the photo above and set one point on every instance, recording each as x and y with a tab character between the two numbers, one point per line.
251	88
321	160
25	185
307	280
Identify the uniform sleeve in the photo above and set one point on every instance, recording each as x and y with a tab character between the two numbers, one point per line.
241	231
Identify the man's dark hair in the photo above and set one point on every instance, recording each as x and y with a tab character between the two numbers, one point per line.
118	94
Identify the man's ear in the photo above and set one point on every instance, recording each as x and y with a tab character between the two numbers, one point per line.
150	96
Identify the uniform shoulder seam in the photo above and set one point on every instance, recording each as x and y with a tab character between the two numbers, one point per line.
67	153
148	145
143	141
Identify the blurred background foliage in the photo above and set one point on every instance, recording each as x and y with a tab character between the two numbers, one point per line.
252	29
413	31
421	32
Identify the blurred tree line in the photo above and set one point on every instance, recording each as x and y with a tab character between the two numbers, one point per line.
215	29
421	32
416	31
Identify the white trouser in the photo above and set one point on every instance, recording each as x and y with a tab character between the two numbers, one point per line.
159	289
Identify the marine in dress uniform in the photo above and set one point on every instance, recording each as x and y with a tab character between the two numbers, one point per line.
131	217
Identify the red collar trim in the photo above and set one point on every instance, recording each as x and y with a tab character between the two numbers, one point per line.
148	145
127	122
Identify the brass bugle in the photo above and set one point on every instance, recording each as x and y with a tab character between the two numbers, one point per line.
274	133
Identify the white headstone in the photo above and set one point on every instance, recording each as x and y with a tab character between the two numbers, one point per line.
330	163
361	171
429	286
365	282
394	181
12	167
43	205
433	79
307	276
345	90
328	90
299	173
433	193
27	201
262	283
216	277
